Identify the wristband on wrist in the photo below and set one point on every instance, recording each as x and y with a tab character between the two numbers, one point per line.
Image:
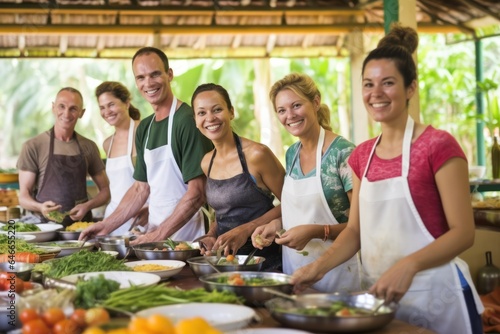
327	232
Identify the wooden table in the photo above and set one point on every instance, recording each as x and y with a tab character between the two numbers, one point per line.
187	280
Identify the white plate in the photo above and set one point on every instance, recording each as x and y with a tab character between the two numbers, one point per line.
176	267
268	331
68	247
48	232
125	278
225	317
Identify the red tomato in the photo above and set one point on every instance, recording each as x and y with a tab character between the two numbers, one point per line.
36	326
28	314
66	326
53	315
78	316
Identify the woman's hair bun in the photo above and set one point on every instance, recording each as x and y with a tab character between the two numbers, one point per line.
402	36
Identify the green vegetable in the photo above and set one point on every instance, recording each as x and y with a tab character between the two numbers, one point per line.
137	298
94	291
21	246
82	262
305	253
21	227
57	216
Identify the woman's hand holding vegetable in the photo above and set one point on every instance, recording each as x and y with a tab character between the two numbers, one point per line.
395	282
264	235
232	240
297	237
306	276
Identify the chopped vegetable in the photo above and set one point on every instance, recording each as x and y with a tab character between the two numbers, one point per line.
82	262
57	216
21	246
94	291
336	309
260	241
304	253
21	227
176	245
237	279
78	226
20	257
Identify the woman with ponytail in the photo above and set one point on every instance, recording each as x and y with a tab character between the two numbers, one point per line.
316	194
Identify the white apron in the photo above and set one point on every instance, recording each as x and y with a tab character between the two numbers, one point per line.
120	171
167	186
303	202
391	229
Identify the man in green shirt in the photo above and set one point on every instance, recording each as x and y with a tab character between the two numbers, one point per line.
169	152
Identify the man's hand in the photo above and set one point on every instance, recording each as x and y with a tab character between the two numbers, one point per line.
148	237
92	231
49	206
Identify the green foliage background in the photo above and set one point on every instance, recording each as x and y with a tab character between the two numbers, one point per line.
446	83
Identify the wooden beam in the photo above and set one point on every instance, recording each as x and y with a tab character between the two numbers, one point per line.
485	10
335	29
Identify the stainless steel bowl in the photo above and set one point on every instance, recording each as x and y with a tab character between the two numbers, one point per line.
69	235
200	267
120	244
158	251
255	295
21	269
288	313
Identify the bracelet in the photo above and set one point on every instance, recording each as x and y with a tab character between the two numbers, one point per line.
327	232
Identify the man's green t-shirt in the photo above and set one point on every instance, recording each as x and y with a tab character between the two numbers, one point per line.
188	144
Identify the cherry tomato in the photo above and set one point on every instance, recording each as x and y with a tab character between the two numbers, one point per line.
230	258
96	316
28	314
78	316
53	315
66	326
36	326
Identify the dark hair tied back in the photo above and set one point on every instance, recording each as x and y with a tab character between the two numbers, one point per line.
398	45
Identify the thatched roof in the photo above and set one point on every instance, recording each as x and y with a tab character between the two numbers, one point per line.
216	28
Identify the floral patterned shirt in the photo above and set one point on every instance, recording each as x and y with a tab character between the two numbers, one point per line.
335	174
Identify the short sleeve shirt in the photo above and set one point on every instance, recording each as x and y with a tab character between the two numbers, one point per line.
34	154
188	144
335	175
427	155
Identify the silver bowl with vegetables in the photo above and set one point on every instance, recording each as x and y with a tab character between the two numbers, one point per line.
200	267
248	284
336	312
167	250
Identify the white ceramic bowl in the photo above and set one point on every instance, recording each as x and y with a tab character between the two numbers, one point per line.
477	173
225	317
174	267
68	246
47	232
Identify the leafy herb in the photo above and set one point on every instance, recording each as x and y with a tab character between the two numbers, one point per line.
21	227
57	216
94	291
82	262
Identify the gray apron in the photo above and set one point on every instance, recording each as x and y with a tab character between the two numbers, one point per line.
238	200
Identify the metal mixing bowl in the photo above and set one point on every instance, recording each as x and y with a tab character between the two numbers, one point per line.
158	251
200	267
287	313
118	244
21	269
69	235
254	295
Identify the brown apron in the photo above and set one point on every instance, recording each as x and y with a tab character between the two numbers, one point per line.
65	181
